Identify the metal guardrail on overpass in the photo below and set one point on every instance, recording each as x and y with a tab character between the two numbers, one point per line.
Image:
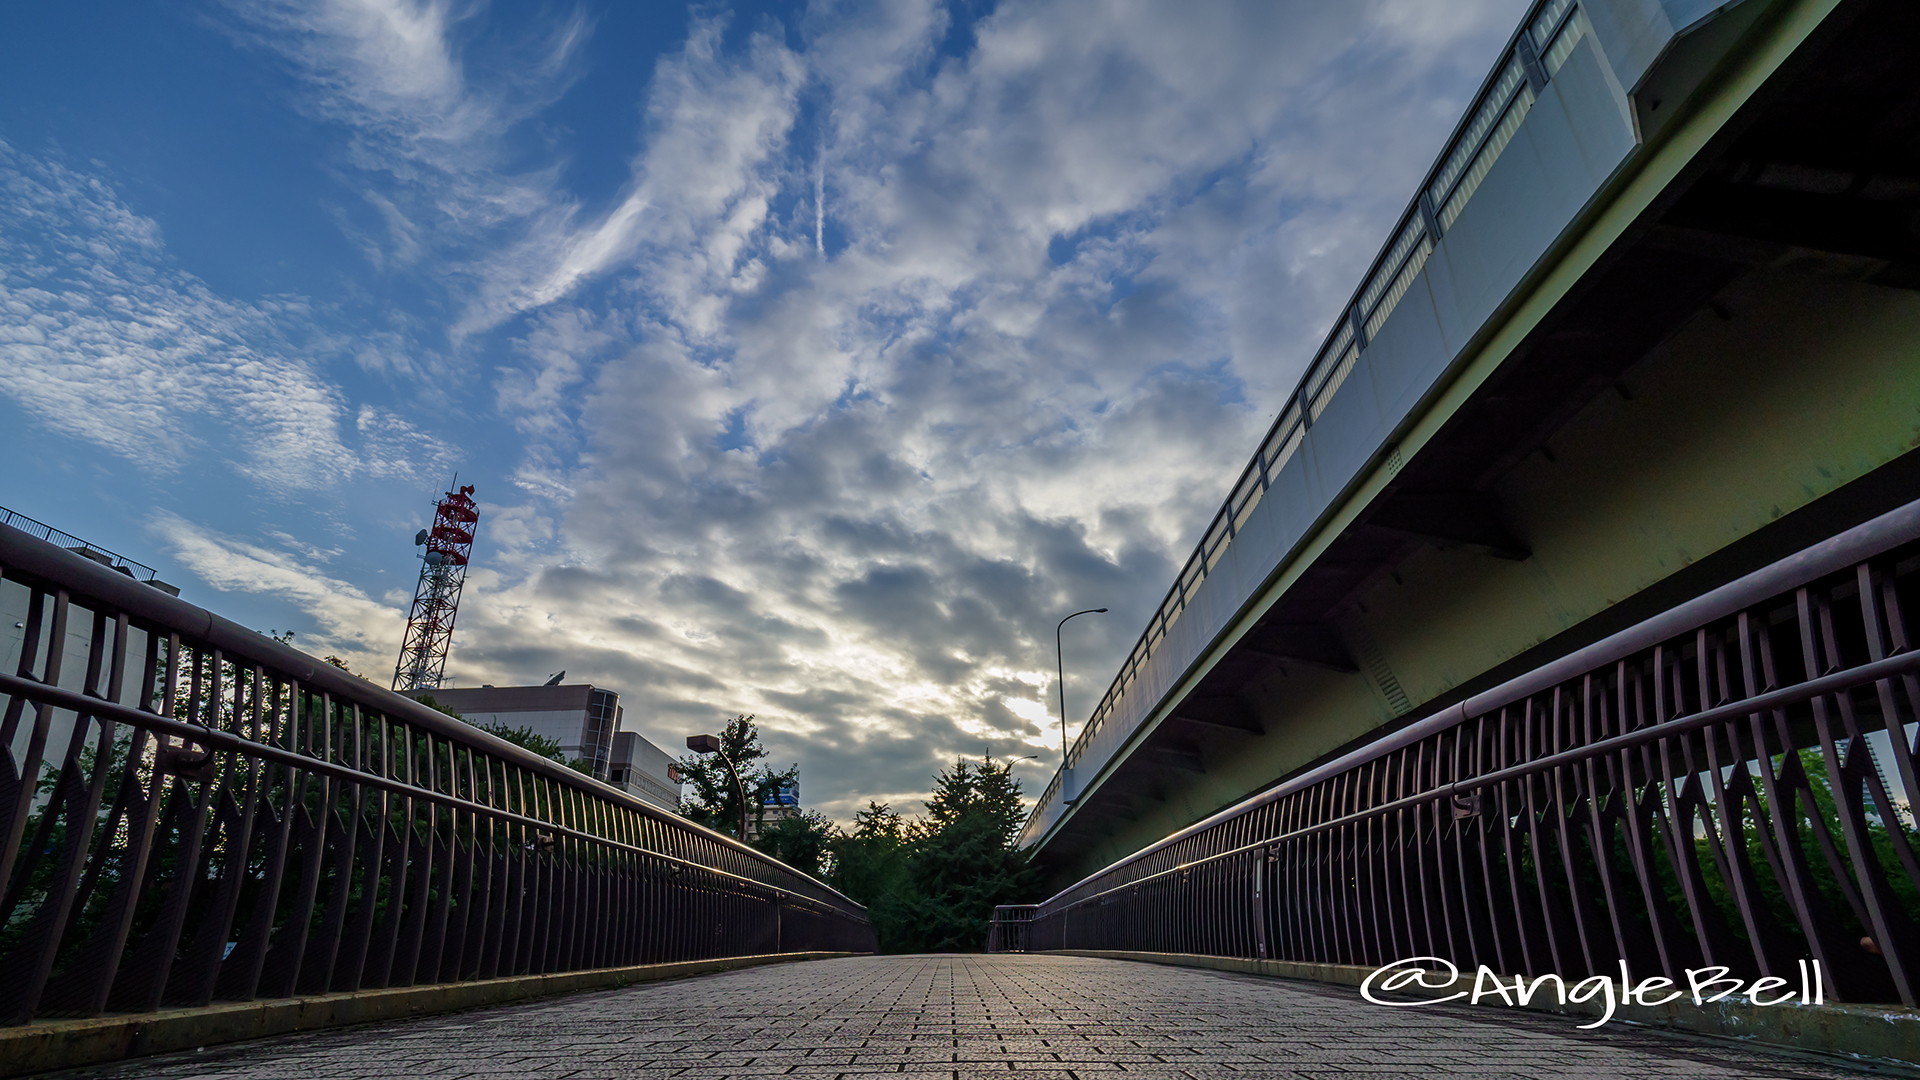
1724	784
138	571
1549	128
192	812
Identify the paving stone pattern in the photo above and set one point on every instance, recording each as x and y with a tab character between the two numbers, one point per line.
956	1017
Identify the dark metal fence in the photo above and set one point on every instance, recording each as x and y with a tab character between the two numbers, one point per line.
191	812
137	570
1010	929
1725	784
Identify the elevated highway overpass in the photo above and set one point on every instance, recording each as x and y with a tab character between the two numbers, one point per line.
1561	621
1648	327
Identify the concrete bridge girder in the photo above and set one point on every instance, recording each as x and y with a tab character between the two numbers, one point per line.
1658	429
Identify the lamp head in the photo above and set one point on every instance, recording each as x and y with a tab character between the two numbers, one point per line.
703	744
1099	611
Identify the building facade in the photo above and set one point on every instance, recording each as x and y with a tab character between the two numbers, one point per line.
643	770
585	721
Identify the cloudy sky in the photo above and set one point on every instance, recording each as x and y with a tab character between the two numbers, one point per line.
809	360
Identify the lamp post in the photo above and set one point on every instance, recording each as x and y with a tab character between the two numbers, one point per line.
710	744
1060	669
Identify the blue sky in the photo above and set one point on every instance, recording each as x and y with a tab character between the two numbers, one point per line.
809	360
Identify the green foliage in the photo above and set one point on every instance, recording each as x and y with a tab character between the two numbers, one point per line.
525	738
870	865
427	700
930	885
711	798
800	840
1808	766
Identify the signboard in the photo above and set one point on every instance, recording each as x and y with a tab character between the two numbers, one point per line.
787	794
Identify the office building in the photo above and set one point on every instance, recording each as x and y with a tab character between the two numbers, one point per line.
585	721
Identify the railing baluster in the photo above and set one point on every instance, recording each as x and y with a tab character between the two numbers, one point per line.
252	825
1614	815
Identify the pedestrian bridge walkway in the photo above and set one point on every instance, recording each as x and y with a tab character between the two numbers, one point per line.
977	1016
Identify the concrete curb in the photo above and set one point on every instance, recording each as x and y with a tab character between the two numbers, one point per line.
1862	1033
66	1044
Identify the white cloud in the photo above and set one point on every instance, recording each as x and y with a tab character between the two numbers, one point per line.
361	630
903	334
1076	269
104	340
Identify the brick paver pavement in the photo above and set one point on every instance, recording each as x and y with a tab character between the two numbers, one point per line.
1025	1017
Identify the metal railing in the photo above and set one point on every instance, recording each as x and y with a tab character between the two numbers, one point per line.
1535	53
192	812
1010	930
139	571
1728	783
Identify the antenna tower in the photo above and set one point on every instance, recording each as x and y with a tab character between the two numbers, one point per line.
443	570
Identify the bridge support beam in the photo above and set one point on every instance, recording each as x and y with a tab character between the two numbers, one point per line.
1220	713
1450	517
1315	643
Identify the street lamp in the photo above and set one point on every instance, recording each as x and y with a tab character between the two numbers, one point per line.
1059	668
710	744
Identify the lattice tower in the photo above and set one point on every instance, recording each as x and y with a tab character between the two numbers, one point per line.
443	571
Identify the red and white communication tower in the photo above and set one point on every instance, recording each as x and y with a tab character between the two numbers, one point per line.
443	570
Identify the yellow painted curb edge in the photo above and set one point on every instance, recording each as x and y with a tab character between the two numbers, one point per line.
66	1044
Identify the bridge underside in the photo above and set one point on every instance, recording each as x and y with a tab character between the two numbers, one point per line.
1737	378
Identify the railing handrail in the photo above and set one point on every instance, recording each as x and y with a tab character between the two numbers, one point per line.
221	739
1843	550
1906	663
20	550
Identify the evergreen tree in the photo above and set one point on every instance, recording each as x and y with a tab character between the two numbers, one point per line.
930	885
870	866
963	861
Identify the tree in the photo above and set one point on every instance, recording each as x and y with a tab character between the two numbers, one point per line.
427	700
931	884
524	737
963	861
527	739
711	798
870	866
802	841
985	797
